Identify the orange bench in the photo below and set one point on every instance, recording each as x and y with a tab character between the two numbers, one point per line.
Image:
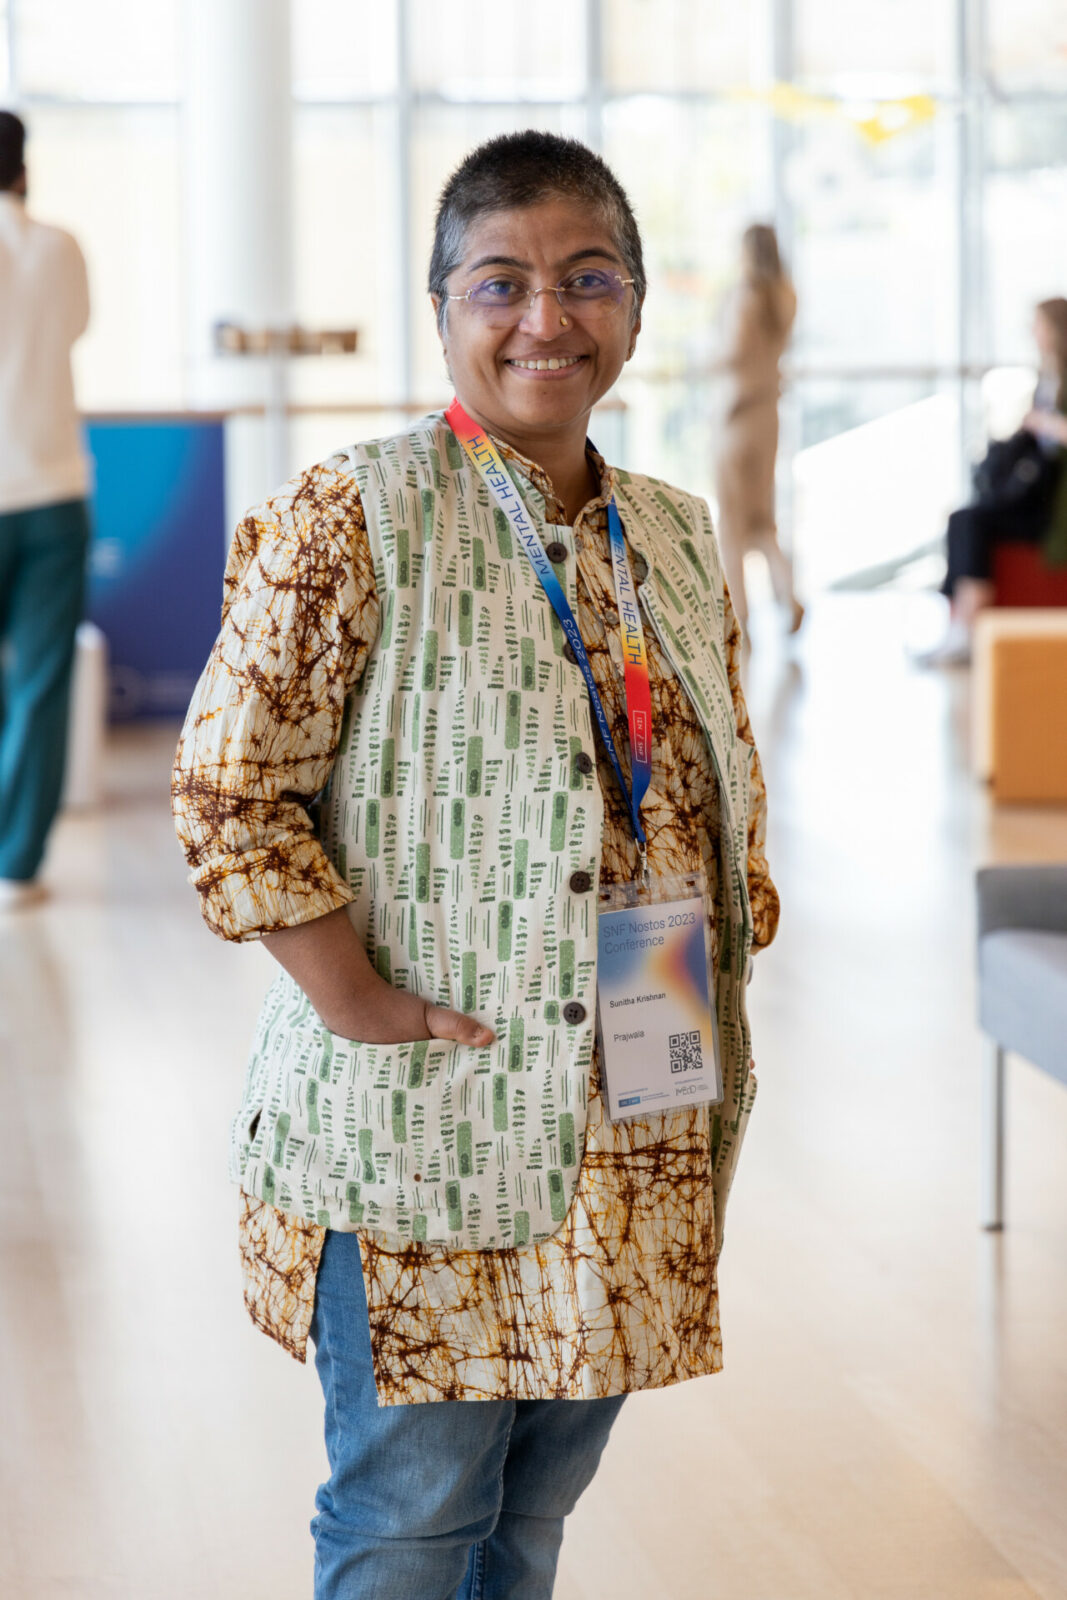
1029	714
1019	702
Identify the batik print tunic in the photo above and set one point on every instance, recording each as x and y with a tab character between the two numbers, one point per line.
624	1296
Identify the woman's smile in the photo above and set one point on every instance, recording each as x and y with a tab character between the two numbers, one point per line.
542	366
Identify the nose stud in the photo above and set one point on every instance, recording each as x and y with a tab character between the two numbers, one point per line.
564	322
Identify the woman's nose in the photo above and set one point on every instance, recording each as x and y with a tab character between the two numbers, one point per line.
543	315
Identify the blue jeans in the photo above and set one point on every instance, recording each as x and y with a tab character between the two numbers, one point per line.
447	1500
42	582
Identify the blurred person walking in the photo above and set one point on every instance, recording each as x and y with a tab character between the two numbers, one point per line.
759	319
511	675
1020	494
44	522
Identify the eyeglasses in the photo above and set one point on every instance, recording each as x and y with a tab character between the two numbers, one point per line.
501	301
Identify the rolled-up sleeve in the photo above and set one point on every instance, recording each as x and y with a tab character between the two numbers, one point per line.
300	616
762	894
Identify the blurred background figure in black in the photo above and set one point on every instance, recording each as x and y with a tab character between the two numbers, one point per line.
1020	494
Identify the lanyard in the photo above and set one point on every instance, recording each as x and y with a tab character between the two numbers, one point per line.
487	460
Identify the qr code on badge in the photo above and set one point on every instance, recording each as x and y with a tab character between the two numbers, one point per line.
685	1052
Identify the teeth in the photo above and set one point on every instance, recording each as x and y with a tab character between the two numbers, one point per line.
553	363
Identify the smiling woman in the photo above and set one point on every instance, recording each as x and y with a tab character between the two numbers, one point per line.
534	333
473	685
537	277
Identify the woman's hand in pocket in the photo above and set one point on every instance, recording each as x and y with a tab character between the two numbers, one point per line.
376	1013
328	961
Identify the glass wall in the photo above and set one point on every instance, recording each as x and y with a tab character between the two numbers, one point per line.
675	46
1027	46
100	87
898	47
531	54
1025	236
913	154
112	50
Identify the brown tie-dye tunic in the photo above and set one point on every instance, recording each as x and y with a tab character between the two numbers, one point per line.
624	1297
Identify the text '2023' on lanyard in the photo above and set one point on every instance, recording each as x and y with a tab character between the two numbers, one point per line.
487	460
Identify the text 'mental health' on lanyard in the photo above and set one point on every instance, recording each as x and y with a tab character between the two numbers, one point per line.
487	460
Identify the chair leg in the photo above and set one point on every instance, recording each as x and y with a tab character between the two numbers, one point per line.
993	1138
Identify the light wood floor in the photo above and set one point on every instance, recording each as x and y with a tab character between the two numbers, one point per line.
892	1421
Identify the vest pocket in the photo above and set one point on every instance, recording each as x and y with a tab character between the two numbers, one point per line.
245	1138
426	1140
406	1064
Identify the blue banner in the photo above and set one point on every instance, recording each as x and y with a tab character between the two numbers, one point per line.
159	549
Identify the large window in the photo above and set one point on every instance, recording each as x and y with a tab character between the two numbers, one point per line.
508	53
1025	204
345	53
913	154
688	166
675	46
111	175
344	202
111	50
1027	45
100	87
886	47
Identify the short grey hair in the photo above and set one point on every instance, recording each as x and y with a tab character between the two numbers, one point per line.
524	169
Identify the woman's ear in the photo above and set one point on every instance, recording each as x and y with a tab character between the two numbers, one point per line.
436	302
441	324
634	331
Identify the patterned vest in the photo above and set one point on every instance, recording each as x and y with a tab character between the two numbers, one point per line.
457	813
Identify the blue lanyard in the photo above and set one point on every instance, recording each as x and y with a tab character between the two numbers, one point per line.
487	460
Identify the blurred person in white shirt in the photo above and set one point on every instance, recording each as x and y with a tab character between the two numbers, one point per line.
44	523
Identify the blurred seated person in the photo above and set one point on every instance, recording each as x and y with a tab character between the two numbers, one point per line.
1020	493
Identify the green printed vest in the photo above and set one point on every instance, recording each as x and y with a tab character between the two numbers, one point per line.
457	813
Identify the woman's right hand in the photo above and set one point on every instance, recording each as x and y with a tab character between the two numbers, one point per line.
377	1013
328	961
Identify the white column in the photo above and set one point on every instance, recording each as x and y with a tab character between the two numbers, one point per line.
238	197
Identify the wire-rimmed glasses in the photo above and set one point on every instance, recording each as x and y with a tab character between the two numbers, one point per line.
503	301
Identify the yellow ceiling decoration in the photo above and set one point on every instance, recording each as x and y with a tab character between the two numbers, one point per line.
888	120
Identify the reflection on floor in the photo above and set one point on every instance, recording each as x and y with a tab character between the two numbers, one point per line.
892	1421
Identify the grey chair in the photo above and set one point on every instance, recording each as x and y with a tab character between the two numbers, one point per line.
1022	993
